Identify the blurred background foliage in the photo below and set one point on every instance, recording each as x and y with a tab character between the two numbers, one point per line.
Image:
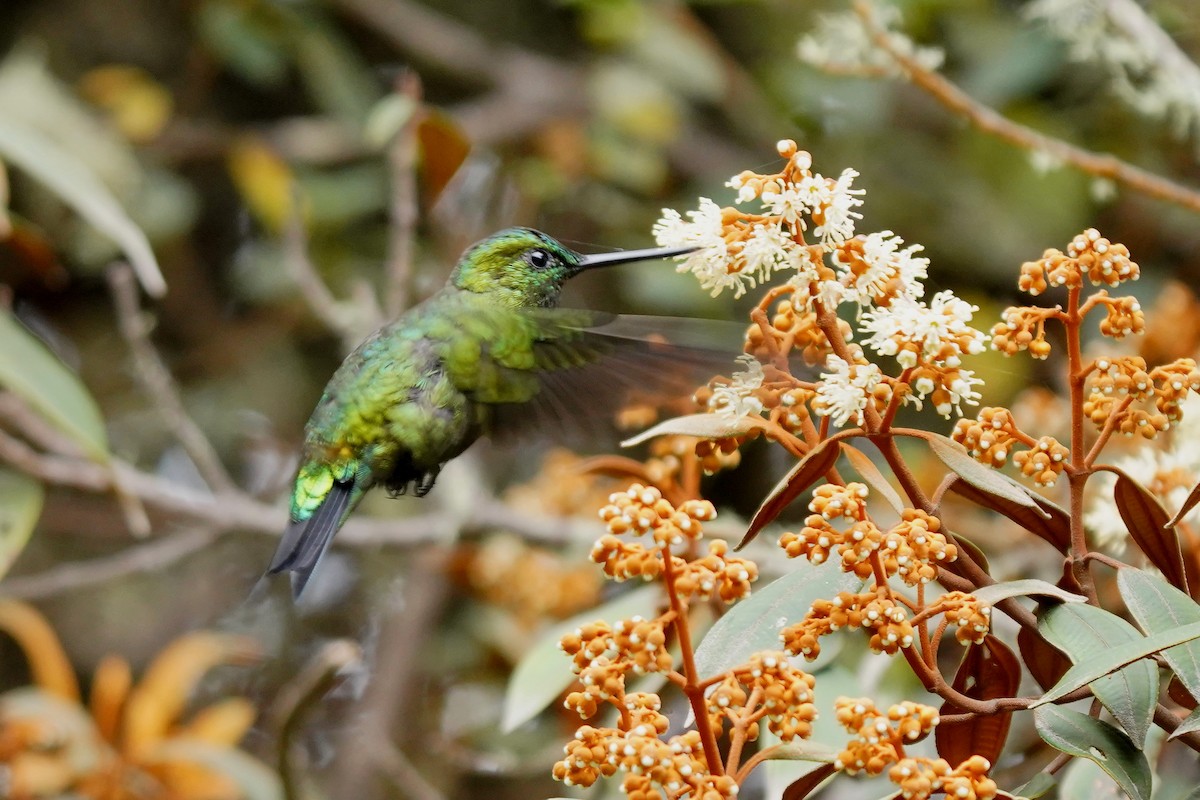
237	135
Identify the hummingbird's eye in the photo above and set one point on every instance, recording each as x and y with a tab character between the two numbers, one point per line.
538	258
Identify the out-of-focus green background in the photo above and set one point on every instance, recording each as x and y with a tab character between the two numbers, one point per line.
583	118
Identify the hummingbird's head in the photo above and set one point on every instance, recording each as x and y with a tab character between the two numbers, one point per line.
524	267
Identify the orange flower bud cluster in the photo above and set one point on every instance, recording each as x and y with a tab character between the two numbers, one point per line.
719	573
879	745
793	328
1043	462
1125	316
654	769
911	549
783	692
874	611
1022	329
919	778
1115	379
879	738
914	546
972	617
1089	254
990	439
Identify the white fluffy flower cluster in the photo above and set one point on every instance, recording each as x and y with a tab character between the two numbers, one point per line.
846	389
840	44
737	399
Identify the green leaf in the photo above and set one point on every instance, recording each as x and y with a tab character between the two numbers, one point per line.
1192	723
20	506
1159	607
1084	737
1088	635
705	426
77	186
753	625
33	373
1115	658
1031	586
544	673
1035	787
956	458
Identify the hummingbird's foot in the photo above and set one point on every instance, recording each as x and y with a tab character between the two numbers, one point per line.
422	487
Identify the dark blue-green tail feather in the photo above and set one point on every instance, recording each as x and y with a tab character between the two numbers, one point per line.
305	541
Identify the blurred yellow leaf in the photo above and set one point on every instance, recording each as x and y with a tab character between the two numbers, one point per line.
139	106
265	181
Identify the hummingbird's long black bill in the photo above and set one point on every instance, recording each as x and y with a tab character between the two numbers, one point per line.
626	256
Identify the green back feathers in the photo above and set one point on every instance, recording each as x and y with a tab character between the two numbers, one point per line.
517	267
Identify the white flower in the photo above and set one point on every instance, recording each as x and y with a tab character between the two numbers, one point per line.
887	264
737	399
745	191
790	203
703	229
840	44
962	390
839	210
845	392
767	250
939	332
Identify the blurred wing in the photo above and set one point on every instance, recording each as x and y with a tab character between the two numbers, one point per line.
590	365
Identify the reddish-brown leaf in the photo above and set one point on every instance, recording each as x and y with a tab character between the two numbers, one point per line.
803	787
870	473
1053	523
444	148
819	461
1147	522
1046	664
986	672
1179	693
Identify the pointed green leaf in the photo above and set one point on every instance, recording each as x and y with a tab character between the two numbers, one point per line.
33	373
1082	736
959	461
1035	787
1192	723
753	625
1030	586
1158	607
20	506
77	186
544	673
1087	635
705	426
1113	659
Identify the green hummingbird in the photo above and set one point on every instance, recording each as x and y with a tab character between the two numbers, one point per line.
468	361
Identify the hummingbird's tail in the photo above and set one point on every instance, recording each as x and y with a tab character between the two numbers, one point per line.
305	541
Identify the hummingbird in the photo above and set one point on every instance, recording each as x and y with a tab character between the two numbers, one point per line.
475	358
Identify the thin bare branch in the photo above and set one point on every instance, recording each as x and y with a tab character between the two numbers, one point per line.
988	120
402	164
156	381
